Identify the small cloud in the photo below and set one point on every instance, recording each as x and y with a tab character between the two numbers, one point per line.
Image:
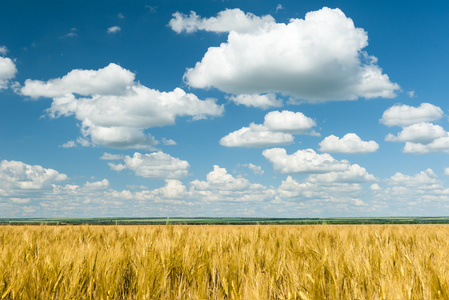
114	29
71	34
411	94
168	142
109	156
69	144
279	7
375	187
3	50
20	200
120	16
255	169
446	171
83	142
151	9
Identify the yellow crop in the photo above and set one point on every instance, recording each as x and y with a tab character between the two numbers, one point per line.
225	262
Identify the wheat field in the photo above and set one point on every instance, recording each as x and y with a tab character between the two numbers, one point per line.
225	262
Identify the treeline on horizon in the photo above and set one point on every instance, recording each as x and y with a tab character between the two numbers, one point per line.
222	221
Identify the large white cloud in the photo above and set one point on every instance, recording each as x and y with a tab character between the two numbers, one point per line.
227	20
157	165
7	68
18	175
350	143
115	109
277	129
423	133
303	161
405	115
318	58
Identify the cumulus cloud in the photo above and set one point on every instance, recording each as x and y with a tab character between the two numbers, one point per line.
18	175
340	195
303	162
417	191
255	169
226	21
260	101
288	121
277	129
423	133
438	145
7	68
114	109
405	115
114	29
319	58
220	185
97	185
420	136
350	143
354	174
156	165
446	171
256	135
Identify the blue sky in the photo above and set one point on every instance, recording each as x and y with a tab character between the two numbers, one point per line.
224	108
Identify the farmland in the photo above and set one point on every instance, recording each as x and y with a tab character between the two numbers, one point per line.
224	262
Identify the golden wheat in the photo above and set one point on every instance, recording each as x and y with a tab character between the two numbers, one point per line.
224	262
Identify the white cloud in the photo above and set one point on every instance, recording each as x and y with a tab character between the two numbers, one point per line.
277	129
334	195
405	115
375	187
156	165
114	29
423	133
303	161
446	171
316	59
350	143
97	185
115	109
438	145
420	191
354	174
109	156
260	101
255	169
288	121
279	7
411	94
7	69
256	135
3	50
18	175
221	186
69	144
226	21
168	142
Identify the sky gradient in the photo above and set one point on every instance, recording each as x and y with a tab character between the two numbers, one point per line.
224	108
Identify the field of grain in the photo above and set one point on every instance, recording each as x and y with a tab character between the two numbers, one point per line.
225	262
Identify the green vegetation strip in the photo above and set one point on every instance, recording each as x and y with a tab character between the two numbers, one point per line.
212	221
